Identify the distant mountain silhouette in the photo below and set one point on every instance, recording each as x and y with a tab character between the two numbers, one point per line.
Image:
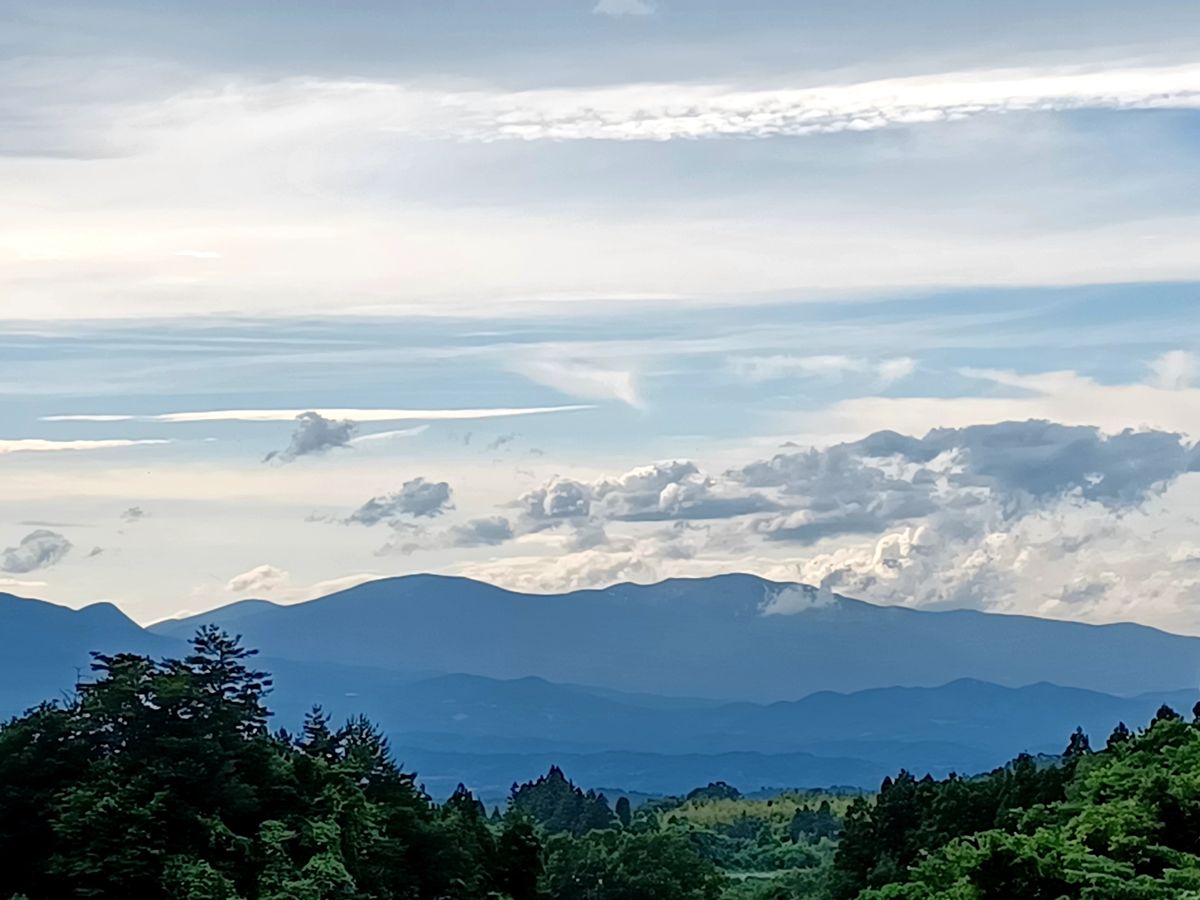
700	637
44	647
619	685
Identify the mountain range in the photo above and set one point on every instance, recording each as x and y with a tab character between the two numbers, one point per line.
657	687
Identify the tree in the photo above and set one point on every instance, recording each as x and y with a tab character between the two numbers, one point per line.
1078	746
1120	735
624	812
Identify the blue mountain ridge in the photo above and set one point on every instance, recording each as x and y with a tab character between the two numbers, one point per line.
387	650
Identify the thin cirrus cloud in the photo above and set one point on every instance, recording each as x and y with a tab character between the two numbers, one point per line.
39	445
621	8
774	367
290	415
659	112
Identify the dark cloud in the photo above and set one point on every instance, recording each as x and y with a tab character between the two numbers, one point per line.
487	531
887	478
417	498
502	441
37	550
314	434
1046	459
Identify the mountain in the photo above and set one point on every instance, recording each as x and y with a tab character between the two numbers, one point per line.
654	687
706	637
45	647
472	713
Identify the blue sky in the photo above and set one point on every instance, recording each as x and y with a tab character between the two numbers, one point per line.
582	292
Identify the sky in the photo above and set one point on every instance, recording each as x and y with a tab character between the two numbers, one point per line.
895	299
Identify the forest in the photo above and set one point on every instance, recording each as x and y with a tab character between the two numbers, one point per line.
164	779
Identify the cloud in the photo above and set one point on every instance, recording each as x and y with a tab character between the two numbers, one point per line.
381	436
314	434
1175	370
500	441
1033	516
38	445
37	550
133	514
21	584
1066	397
486	531
619	8
754	369
661	491
897	369
579	378
794	598
886	479
259	580
417	498
287	415
661	112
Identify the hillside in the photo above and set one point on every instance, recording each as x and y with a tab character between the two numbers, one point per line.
700	637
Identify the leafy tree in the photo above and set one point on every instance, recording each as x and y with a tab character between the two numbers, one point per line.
557	805
624	812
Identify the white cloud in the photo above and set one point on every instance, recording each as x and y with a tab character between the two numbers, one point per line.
1175	370
39	445
755	369
267	579
388	435
893	370
280	171
581	378
290	415
1066	396
660	112
259	580
21	585
792	599
620	8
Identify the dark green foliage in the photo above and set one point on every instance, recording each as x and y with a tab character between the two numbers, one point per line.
1121	824
912	817
621	865
559	806
624	812
714	790
811	825
161	781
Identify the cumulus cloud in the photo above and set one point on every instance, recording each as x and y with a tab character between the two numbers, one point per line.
1032	517
485	531
794	598
417	498
259	580
659	492
314	434
37	550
